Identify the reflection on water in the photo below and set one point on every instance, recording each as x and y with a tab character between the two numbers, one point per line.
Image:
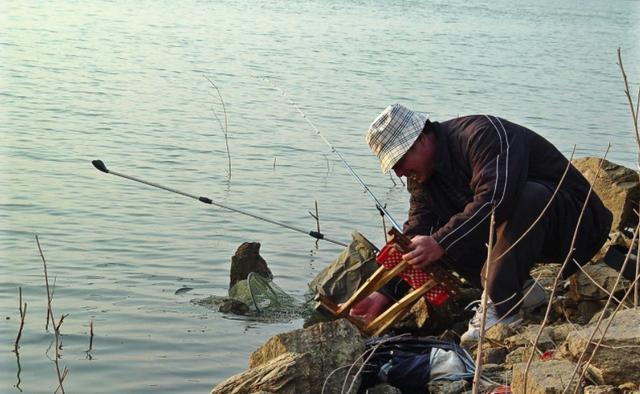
123	82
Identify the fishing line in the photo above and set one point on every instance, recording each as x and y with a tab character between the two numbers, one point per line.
379	205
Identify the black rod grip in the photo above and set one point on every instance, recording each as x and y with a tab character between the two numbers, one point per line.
100	166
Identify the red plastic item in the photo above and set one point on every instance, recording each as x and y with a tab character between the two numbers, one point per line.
389	257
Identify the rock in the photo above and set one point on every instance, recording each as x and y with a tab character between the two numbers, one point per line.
246	260
617	186
607	389
618	361
519	355
383	389
448	387
348	272
494	355
498	333
289	373
559	333
630	387
585	285
229	305
330	345
497	372
528	335
544	377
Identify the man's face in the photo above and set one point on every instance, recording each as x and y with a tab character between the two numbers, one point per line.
417	163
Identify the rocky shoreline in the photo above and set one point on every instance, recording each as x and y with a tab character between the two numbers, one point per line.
586	326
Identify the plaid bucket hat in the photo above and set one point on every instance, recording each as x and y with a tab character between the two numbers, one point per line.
393	133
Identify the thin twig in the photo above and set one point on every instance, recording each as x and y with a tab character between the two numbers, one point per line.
23	314
634	112
562	268
63	374
483	305
225	129
46	280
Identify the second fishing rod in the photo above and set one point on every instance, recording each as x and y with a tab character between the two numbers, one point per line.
99	164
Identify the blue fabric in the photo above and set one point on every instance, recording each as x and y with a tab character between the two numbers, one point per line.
405	362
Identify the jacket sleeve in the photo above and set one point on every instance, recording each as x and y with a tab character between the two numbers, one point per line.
497	155
421	220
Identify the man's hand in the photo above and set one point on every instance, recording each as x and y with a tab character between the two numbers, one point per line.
369	308
425	250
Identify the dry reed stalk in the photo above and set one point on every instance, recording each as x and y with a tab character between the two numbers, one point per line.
46	281
606	305
483	304
225	127
58	343
23	314
634	117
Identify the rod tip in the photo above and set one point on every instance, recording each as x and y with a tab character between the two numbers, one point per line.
99	164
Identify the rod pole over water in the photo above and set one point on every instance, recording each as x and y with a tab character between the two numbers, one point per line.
379	205
99	164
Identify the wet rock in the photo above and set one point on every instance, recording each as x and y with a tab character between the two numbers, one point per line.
606	389
448	387
586	285
548	377
247	259
289	373
617	360
617	186
229	305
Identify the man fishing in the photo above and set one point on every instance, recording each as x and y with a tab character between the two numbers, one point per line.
461	170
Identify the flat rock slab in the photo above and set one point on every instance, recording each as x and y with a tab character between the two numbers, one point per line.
617	360
544	377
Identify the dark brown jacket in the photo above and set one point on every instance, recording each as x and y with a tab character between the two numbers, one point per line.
484	161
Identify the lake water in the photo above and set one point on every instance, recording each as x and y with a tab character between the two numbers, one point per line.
124	82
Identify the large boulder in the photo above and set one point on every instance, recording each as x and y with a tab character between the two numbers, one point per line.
543	377
247	260
617	186
332	344
303	361
617	359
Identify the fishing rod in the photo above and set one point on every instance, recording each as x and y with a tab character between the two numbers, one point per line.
99	164
379	205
